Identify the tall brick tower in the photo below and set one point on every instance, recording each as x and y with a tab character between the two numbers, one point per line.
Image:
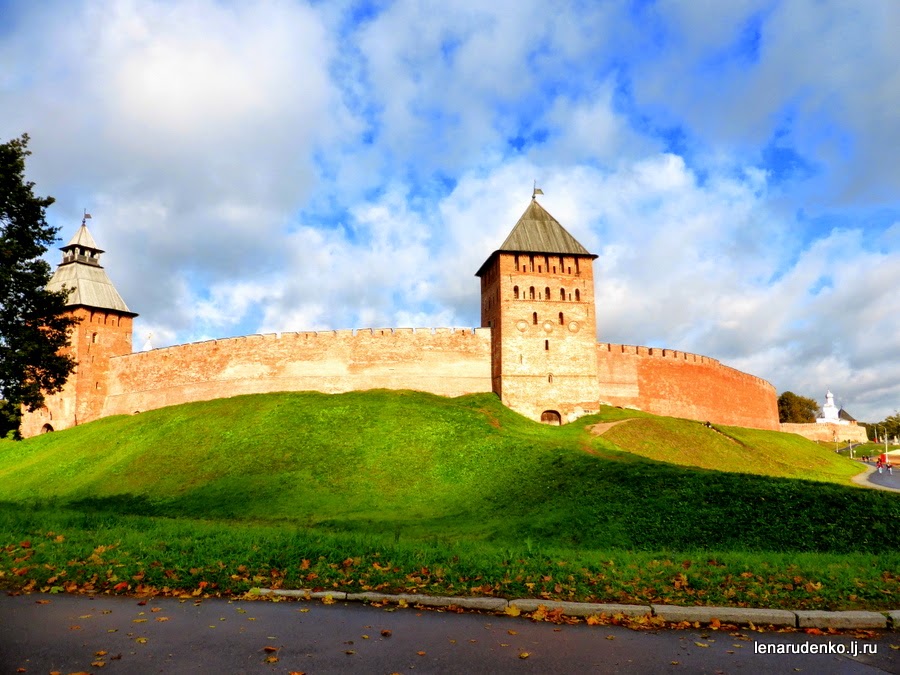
104	332
537	297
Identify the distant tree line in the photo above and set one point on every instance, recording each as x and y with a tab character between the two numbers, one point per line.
890	424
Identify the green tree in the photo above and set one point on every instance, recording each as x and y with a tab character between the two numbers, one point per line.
890	424
33	326
796	409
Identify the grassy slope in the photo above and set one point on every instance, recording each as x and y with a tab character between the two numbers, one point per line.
766	453
430	467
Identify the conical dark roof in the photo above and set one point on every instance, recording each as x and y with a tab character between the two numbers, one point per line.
539	232
844	415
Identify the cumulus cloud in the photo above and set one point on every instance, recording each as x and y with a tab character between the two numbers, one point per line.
189	129
816	77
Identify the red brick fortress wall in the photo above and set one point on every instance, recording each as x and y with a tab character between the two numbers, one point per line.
444	361
679	384
828	432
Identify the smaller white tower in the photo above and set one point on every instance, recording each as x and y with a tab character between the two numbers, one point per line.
830	413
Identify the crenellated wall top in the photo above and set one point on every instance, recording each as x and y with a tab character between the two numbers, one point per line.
423	335
676	355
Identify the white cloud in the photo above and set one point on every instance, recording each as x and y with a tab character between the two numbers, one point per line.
823	77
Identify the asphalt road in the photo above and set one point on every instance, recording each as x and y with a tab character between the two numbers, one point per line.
885	479
45	633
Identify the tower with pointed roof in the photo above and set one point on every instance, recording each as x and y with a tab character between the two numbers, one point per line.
537	297
104	331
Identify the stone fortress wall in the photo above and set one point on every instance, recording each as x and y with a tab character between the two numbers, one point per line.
443	361
828	432
537	349
679	384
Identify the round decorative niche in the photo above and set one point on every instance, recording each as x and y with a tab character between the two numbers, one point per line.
548	326
573	326
522	326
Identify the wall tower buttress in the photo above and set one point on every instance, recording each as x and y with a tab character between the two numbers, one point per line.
537	295
104	331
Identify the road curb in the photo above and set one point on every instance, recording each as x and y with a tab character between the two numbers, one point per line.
581	608
739	615
675	613
814	619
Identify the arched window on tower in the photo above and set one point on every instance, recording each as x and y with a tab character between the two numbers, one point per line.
576	267
577	295
561	321
516	292
531	293
547	293
534	318
562	293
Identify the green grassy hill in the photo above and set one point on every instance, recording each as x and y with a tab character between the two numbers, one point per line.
767	453
420	466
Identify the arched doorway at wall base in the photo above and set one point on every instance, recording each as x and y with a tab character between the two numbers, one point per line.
46	429
551	417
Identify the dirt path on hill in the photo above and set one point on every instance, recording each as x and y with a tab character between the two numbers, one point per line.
603	427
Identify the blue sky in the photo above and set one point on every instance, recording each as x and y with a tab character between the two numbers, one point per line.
280	165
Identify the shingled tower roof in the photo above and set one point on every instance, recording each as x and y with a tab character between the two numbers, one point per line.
538	232
81	273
